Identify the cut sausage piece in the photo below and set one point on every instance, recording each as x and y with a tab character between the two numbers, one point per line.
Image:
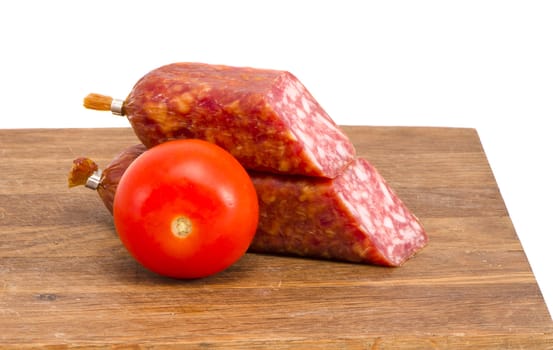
267	119
355	217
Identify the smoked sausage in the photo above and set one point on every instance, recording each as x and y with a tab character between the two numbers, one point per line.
354	217
267	119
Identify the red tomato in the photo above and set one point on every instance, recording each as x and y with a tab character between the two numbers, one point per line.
186	209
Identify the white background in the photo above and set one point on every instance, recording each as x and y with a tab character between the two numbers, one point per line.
481	64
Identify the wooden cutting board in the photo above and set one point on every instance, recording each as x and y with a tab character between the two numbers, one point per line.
66	280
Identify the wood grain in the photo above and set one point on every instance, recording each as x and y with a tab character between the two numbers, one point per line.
66	281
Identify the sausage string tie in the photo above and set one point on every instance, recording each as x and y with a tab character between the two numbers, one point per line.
104	103
93	181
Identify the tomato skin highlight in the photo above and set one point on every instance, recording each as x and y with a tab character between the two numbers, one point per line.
186	209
